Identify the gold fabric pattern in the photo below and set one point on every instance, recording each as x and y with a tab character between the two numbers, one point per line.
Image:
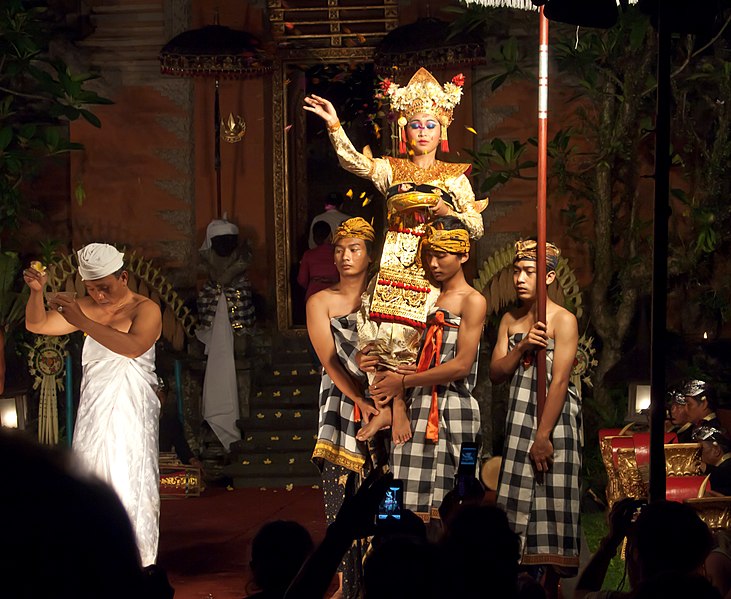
528	250
405	170
456	241
354	228
338	455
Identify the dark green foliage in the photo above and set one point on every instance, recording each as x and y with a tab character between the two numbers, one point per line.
39	95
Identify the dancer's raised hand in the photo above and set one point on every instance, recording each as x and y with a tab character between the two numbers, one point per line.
322	108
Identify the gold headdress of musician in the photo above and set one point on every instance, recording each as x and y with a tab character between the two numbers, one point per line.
356	228
528	250
452	241
424	94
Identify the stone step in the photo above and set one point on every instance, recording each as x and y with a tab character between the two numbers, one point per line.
286	396
124	7
288	374
275	482
273	419
263	465
291	356
144	44
279	440
145	30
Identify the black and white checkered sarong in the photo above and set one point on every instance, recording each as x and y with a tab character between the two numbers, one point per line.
545	514
427	468
336	440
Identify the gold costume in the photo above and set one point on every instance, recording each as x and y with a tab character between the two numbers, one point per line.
400	296
401	293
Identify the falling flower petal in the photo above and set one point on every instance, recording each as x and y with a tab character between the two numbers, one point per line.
471	130
366	202
349	193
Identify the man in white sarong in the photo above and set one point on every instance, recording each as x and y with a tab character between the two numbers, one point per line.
116	435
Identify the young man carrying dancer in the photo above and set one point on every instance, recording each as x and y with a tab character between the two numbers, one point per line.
442	410
539	479
331	313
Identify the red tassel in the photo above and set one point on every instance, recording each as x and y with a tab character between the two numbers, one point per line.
402	142
445	145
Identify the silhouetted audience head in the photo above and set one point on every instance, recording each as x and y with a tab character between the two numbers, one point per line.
480	546
667	537
474	494
403	566
277	553
321	232
334	199
677	585
65	537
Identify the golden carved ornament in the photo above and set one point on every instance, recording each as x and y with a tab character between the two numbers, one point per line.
714	511
614	488
683	459
631	480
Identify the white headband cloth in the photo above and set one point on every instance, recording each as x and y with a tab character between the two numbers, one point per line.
218	227
98	260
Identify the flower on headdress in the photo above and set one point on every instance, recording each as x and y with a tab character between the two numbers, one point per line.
385	84
458	80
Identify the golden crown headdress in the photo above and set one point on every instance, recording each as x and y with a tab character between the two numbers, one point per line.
425	94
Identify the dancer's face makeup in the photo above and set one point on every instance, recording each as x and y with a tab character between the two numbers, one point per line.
423	133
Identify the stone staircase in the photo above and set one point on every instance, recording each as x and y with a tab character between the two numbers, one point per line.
127	39
279	435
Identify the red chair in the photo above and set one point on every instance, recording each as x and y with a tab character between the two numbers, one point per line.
680	488
641	443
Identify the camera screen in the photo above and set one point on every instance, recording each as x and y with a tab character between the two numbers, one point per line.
468	456
390	506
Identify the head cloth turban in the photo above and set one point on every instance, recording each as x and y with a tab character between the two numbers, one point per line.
218	227
528	250
98	260
452	241
355	228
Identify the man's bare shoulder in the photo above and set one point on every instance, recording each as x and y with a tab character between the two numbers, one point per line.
513	316
145	304
562	317
322	297
475	302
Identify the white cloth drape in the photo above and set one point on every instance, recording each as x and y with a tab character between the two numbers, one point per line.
116	434
220	391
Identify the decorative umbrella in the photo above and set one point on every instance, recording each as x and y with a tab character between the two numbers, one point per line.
426	43
219	52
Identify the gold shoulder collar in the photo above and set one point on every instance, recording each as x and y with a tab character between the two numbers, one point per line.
405	170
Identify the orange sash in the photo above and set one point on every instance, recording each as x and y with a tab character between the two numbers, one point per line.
432	351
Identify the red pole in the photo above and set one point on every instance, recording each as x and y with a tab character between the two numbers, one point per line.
541	204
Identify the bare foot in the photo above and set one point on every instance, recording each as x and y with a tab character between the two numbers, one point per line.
382	420
401	427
